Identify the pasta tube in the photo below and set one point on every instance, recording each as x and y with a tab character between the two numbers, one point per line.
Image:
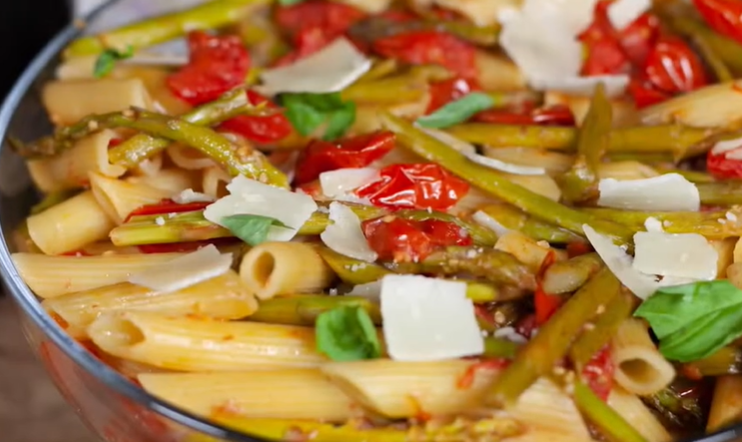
171	180
726	406
640	368
282	268
633	410
51	276
188	158
196	344
119	198
223	297
70	225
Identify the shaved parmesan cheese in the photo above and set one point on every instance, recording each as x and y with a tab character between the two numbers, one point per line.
510	334
428	319
370	291
345	236
687	255
184	271
652	224
329	70
340	183
670	193
623	12
615	85
620	263
726	145
189	196
446	138
250	197
484	220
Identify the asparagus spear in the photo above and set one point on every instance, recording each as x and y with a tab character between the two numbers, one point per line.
580	183
610	423
679	404
490	181
304	309
728	360
681	141
568	276
514	219
722	193
539	356
707	224
210	15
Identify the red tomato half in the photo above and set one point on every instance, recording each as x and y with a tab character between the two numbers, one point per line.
261	130
725	16
166	206
673	67
598	373
400	240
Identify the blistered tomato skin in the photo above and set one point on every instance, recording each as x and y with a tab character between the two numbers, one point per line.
415	186
446	91
261	130
598	373
355	152
724	16
722	167
673	67
400	240
217	64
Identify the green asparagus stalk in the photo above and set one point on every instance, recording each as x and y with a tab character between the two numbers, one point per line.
610	423
676	406
539	356
52	199
728	360
183	227
605	326
567	276
490	181
210	15
680	141
580	183
501	314
722	193
304	309
514	219
707	224
499	348
397	89
693	176
479	235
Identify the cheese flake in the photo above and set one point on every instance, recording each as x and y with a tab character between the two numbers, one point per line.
329	70
665	193
652	224
184	271
485	220
189	196
370	291
622	13
724	146
686	255
428	319
340	183
250	197
345	236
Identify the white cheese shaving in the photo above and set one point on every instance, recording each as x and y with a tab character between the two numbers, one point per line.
484	220
652	224
184	271
250	197
342	182
189	196
615	85
687	255
370	291
160	221
622	13
428	319
670	192
329	70
510	334
620	263
345	236
727	146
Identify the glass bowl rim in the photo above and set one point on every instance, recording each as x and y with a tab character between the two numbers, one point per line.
30	306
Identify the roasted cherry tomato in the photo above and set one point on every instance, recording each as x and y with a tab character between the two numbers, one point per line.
725	16
165	207
261	130
646	94
216	65
598	373
546	304
307	42
430	47
578	248
557	115
673	67
415	186
639	38
400	240
720	165
446	91
360	151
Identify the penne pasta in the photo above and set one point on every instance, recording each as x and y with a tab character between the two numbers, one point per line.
286	393
149	167
52	276
214	182
70	225
70	169
640	368
725	251
633	410
170	180
726	404
224	297
282	268
527	250
197	344
69	101
119	198
188	158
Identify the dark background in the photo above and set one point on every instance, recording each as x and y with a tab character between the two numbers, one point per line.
25	27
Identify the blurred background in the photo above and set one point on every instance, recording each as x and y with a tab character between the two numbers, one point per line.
31	410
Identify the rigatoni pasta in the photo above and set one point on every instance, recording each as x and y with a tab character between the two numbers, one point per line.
640	368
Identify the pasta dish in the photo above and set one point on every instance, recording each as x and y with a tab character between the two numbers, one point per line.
392	221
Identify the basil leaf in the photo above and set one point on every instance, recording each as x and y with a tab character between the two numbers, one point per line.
347	334
307	112
457	111
705	336
106	61
672	308
253	229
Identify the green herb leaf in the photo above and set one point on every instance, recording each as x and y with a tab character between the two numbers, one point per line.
307	112
457	111
253	229
347	334
693	321
107	61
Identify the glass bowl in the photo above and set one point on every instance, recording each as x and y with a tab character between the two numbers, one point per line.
112	406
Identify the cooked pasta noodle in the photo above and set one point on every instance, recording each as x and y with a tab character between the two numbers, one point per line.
196	344
214	182
726	407
279	268
633	410
640	368
173	181
189	158
119	198
149	167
